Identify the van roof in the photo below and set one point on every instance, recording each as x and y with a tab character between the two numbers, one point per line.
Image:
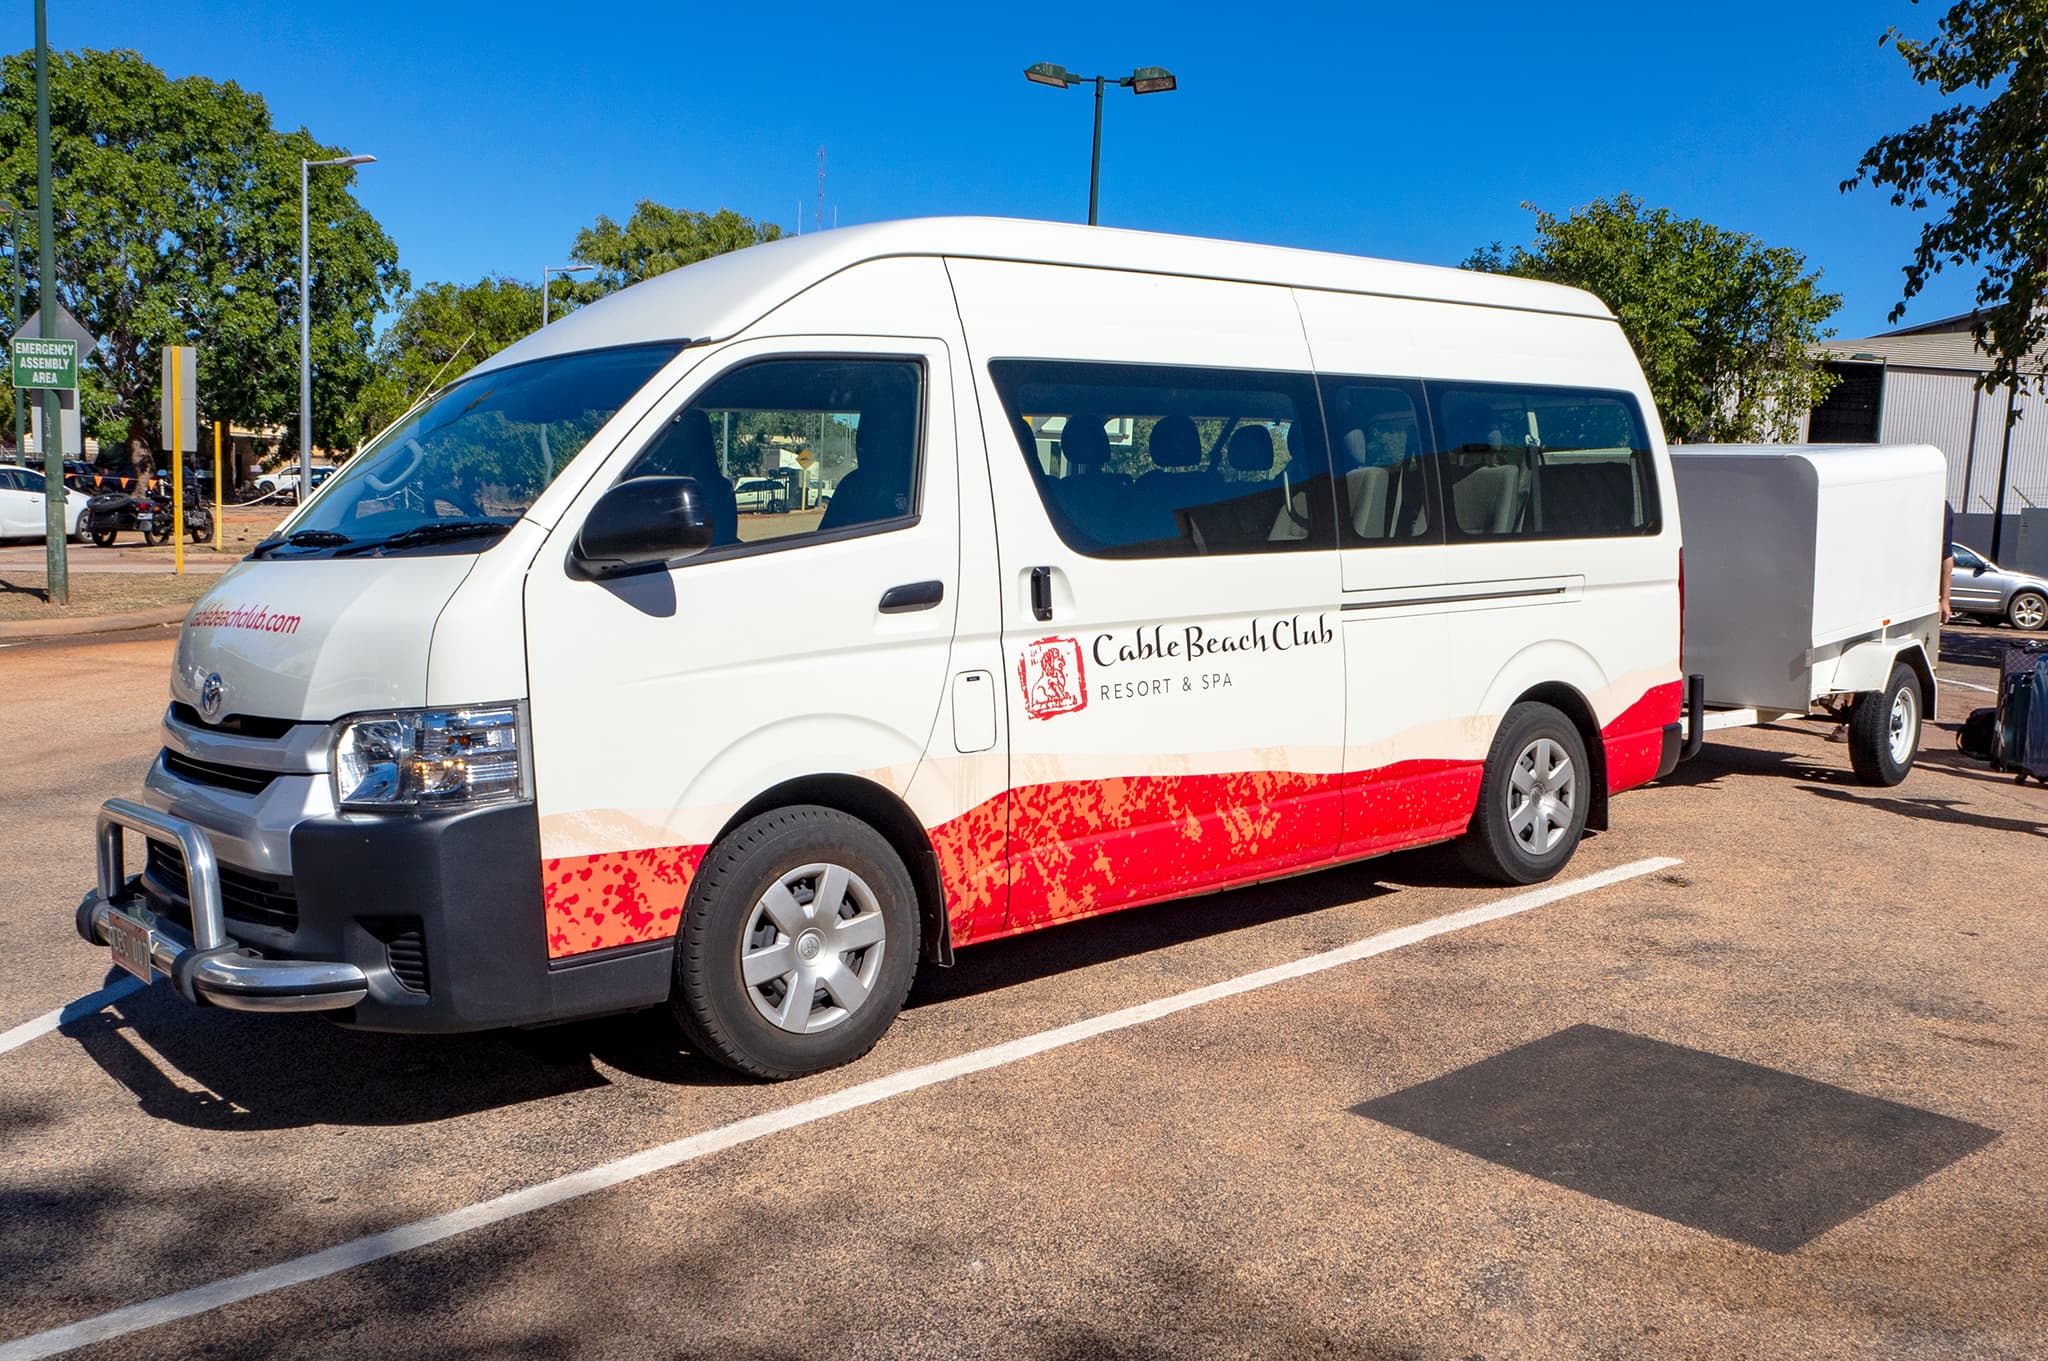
722	296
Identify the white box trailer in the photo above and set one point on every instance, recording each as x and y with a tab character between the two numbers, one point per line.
1813	576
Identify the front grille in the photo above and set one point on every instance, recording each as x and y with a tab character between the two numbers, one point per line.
244	897
239	778
242	725
405	949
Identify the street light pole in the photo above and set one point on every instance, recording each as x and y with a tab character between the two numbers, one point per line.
546	270
1145	80
57	565
306	168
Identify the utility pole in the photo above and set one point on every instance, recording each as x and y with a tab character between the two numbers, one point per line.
58	564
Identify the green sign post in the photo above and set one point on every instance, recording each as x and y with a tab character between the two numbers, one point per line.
45	363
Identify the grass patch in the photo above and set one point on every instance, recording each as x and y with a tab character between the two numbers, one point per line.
25	595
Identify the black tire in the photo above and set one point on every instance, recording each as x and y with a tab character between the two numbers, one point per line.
1492	847
81	535
721	1015
1871	729
158	533
103	538
778	506
199	533
2035	608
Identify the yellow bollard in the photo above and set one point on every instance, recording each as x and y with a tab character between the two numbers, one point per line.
216	485
177	472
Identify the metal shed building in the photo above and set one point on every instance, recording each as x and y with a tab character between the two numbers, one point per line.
1918	385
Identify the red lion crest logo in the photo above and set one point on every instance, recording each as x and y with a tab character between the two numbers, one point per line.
1052	677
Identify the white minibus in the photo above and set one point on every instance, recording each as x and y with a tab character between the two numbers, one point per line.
1151	566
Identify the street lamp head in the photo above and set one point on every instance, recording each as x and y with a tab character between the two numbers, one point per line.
344	160
566	269
1150	80
1049	73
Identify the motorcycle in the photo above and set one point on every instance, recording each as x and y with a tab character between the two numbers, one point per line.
149	513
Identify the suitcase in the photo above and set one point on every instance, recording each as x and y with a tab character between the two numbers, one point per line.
2021	744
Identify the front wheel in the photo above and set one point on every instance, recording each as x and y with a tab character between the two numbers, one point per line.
1884	730
2028	611
798	945
159	531
1532	798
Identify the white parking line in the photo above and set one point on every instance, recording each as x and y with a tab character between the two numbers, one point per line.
376	1247
1987	689
64	1015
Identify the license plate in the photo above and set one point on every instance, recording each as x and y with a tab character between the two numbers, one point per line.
130	942
144	521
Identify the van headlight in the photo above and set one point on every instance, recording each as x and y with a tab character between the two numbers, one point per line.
432	758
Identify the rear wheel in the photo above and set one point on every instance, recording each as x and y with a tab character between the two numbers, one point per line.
159	531
2028	610
82	534
1884	730
798	946
103	538
1532	798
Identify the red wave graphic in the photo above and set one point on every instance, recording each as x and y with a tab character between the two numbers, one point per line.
1084	847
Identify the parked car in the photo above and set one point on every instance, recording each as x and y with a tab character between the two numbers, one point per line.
760	493
284	483
1981	588
21	506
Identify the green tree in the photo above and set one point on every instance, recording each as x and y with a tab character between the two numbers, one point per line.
655	240
1723	324
440	333
1988	163
179	224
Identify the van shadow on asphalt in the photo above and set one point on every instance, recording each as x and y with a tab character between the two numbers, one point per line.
215	1069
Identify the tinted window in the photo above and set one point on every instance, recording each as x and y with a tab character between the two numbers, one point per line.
791	448
1379	442
1964	557
1145	461
1522	462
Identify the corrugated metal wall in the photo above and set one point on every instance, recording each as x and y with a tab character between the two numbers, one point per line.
1943	408
1926	406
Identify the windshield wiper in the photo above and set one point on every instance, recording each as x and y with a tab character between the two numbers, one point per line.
305	538
438	532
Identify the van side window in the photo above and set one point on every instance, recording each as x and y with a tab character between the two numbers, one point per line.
1542	463
788	449
1151	461
1378	437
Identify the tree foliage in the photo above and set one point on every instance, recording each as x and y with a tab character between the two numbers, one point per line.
655	240
440	333
178	223
1723	324
1988	163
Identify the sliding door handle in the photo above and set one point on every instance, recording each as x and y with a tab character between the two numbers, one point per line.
1041	593
918	595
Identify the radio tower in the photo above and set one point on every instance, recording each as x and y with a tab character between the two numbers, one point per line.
818	222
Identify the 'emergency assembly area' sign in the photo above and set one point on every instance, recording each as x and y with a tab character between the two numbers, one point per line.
45	363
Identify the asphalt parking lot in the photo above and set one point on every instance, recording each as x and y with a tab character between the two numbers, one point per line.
1781	1098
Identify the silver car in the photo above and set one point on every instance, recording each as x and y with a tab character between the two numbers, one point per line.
1978	586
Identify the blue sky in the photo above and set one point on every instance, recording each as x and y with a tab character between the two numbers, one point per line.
1412	131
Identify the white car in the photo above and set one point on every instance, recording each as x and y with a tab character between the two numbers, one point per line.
759	493
21	506
284	483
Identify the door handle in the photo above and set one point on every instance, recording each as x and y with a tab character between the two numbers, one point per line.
1041	593
917	595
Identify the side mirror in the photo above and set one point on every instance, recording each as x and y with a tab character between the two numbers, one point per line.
1979	570
642	522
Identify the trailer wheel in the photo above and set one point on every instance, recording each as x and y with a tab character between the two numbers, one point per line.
798	946
1532	798
1884	730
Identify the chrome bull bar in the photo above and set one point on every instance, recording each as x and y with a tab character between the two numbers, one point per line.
205	965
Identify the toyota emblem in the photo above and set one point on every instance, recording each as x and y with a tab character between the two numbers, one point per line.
211	691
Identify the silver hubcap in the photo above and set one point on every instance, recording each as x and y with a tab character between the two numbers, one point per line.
1905	732
1541	794
2027	612
813	948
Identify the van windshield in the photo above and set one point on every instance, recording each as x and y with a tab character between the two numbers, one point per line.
455	474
